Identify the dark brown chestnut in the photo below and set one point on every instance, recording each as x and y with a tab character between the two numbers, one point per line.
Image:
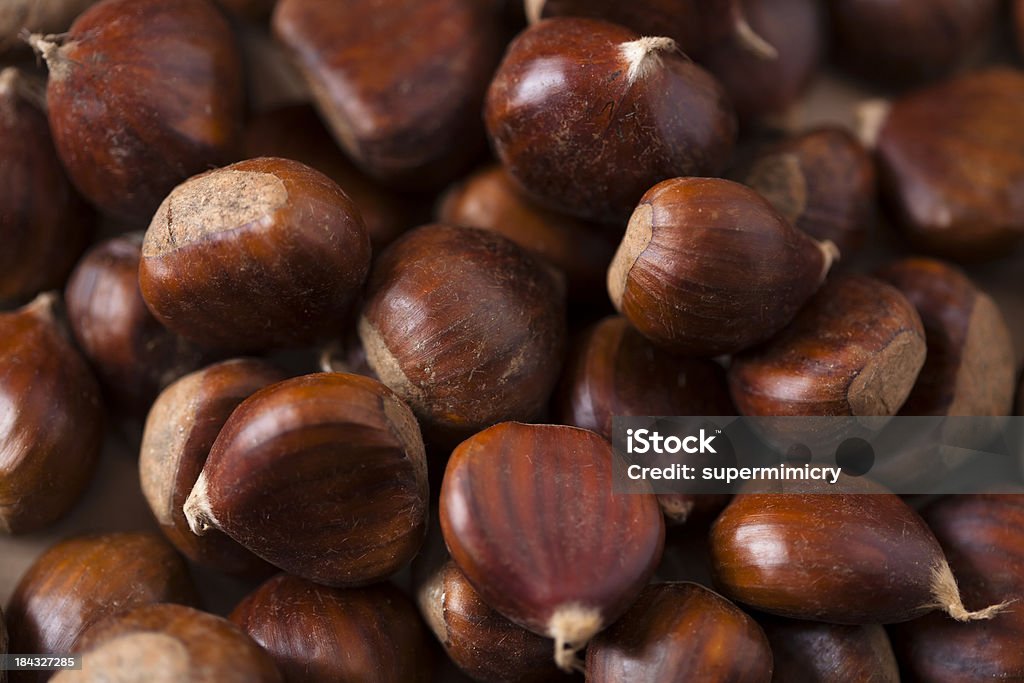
142	95
83	580
708	267
252	10
53	418
164	643
969	368
856	349
681	632
529	516
587	115
37	16
813	652
180	430
404	102
44	224
317	634
907	40
260	254
465	326
490	199
822	182
930	146
323	475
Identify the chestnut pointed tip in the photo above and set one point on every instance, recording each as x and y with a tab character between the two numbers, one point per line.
829	255
638	236
752	42
49	48
197	508
534	10
871	116
572	627
947	597
643	55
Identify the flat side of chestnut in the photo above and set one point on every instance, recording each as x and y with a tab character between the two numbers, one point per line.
822	653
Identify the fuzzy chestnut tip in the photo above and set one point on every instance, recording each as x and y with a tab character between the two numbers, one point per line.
572	627
644	55
49	48
197	508
947	597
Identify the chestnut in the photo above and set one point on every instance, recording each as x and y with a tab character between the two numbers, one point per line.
81	581
822	181
317	634
133	354
38	16
897	41
249	9
44	224
930	146
323	475
681	632
403	101
855	349
823	653
142	95
180	430
261	254
585	115
529	516
465	326
491	200
53	420
170	643
708	267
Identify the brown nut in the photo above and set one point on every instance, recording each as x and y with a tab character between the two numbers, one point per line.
400	83
813	652
323	476
681	632
180	430
465	326
317	634
142	94
822	182
708	267
586	116
529	516
165	643
263	253
53	420
855	349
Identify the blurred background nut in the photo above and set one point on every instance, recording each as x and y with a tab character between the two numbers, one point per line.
823	653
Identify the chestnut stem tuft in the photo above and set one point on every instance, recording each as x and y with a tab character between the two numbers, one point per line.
830	254
534	9
644	55
871	116
48	47
572	627
947	597
750	41
197	507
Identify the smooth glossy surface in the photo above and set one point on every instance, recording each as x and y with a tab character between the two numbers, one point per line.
812	652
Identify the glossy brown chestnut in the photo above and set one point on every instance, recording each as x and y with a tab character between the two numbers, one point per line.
708	267
843	558
822	182
142	95
681	632
855	349
813	652
44	224
83	580
587	115
317	634
906	40
969	369
53	418
37	16
983	537
490	199
468	339
164	643
929	149
323	475
263	253
529	516
400	83
180	430
133	354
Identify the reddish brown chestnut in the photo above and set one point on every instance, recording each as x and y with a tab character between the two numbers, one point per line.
38	16
142	95
403	101
53	419
708	267
813	652
822	182
163	643
681	632
44	224
587	115
324	476
263	253
317	634
180	430
929	149
855	349
529	516
465	326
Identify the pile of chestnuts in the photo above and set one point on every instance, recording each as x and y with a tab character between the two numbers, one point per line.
364	345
